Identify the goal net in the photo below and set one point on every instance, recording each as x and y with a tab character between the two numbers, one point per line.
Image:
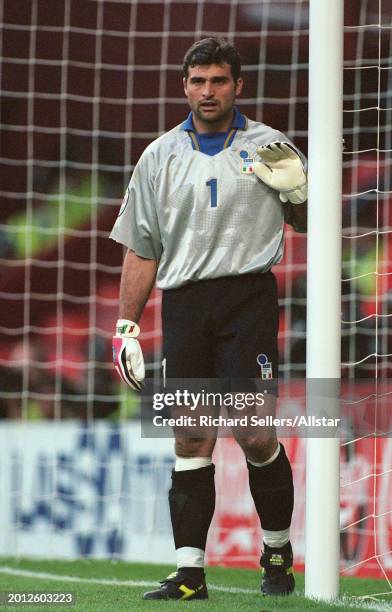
85	87
366	303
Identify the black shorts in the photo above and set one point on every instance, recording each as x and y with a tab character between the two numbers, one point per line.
225	328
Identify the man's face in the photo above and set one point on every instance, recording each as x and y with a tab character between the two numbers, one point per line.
211	92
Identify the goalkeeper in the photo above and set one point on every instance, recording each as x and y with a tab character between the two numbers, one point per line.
203	217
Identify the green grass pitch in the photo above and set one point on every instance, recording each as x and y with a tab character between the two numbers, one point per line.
105	585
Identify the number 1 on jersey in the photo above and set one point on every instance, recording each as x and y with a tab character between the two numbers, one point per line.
213	184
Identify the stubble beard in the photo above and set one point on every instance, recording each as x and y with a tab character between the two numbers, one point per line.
217	119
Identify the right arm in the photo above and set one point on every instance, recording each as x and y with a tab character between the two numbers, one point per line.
136	227
137	280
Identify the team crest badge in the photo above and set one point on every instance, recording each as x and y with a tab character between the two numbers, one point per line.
246	162
265	365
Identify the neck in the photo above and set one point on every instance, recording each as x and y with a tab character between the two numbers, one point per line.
208	127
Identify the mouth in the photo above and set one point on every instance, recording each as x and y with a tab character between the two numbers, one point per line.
208	105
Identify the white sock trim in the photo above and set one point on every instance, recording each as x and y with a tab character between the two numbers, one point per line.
187	556
276	539
270	460
191	463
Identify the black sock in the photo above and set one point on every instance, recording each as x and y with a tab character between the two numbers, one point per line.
195	573
273	492
192	504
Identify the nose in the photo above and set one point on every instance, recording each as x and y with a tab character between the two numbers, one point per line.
208	90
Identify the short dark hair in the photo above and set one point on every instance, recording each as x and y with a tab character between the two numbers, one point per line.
212	50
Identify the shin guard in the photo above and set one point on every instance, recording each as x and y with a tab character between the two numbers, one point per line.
273	492
192	504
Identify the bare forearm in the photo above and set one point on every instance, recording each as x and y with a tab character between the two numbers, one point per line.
137	280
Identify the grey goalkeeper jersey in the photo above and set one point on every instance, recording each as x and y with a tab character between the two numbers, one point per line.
202	216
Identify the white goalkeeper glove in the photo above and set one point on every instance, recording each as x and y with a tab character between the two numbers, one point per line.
127	354
282	170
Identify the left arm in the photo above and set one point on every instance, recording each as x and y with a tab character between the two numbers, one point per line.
282	169
296	215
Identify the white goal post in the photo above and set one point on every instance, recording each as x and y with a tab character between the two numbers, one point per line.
323	289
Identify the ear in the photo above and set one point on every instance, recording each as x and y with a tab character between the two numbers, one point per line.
238	86
184	84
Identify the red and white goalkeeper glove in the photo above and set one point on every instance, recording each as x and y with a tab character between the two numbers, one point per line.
283	171
127	354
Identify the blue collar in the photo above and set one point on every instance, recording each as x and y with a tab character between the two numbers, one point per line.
239	122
